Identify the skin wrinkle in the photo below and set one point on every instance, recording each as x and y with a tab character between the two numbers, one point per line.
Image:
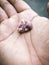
28	48
34	17
9	36
35	48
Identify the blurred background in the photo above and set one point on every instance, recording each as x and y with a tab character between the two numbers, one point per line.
40	6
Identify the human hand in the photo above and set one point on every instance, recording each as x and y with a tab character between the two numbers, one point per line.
48	7
29	48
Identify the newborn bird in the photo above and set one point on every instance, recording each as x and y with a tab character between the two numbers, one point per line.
24	26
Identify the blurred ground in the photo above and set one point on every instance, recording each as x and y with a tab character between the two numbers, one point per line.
39	6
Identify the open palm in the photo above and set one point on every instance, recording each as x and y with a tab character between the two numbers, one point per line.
29	48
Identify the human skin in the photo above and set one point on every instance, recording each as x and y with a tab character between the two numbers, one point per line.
31	48
48	7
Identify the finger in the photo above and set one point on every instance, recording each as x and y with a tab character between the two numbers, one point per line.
3	15
48	7
25	11
8	26
9	9
20	5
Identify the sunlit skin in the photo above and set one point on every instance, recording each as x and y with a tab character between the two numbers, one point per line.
31	48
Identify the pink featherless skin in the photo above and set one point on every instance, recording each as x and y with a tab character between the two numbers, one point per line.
24	26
